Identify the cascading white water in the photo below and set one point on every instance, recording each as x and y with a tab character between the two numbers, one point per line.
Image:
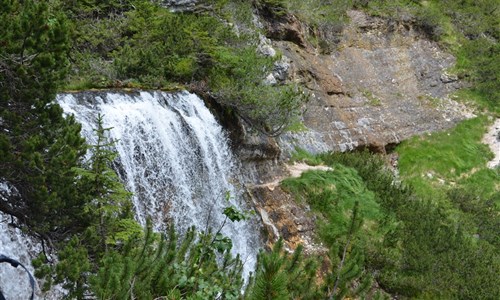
16	244
173	156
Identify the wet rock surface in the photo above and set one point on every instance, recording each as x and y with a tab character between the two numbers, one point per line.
281	216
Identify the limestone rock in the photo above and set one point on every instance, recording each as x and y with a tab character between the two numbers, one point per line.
270	79
281	69
180	5
384	83
448	78
286	28
284	218
265	48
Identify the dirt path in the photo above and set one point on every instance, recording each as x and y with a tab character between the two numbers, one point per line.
294	170
492	139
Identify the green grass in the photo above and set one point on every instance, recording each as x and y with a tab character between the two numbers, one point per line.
332	195
476	99
302	155
447	155
432	162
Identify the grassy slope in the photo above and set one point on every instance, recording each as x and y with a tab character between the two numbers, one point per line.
432	162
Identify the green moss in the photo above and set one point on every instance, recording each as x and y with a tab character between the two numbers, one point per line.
372	99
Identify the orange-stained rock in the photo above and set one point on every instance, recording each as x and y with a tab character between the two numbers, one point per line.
283	217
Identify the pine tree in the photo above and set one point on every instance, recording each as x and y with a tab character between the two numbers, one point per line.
282	276
155	266
38	146
108	201
348	252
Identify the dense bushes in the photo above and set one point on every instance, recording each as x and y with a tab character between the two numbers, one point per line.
412	246
39	148
142	44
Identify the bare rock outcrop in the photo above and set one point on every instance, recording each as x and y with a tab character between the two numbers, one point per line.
180	5
384	82
286	28
281	214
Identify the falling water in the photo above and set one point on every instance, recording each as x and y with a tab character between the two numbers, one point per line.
173	156
16	244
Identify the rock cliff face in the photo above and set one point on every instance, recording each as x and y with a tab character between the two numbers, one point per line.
383	83
378	83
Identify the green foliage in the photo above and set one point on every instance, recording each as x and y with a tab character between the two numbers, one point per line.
158	266
282	276
167	46
481	211
96	9
233	214
334	192
39	147
149	46
481	63
303	156
346	251
416	248
34	41
272	7
71	270
476	27
448	155
109	203
348	218
106	208
320	14
463	217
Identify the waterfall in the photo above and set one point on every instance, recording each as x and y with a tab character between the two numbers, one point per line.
173	156
18	245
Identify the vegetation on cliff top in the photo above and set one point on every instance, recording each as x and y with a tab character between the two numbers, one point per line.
139	43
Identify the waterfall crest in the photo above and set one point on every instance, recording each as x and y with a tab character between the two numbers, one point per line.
173	156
